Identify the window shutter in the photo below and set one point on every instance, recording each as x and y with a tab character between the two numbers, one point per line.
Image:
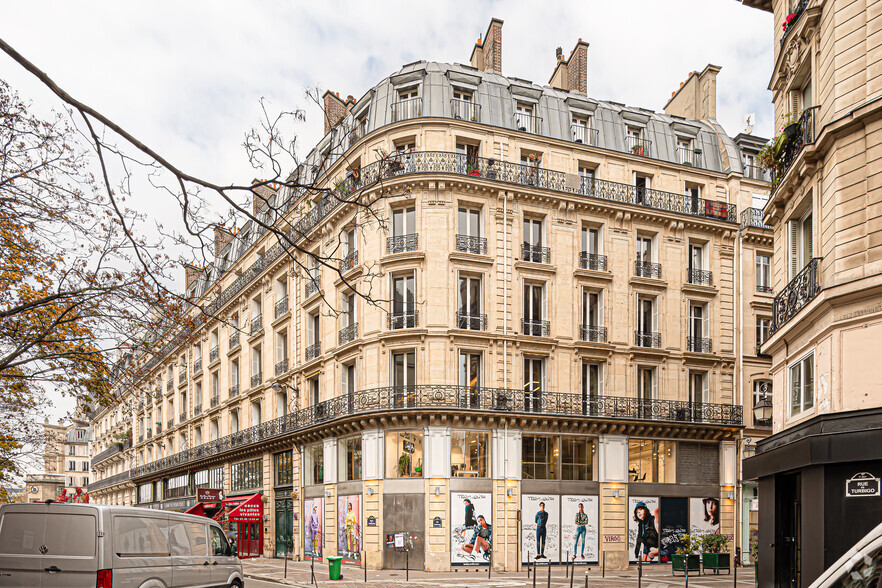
709	468
601	373
310	330
794	249
655	303
809	242
794	105
344	380
600	319
705	392
688	463
655	376
705	321
545	301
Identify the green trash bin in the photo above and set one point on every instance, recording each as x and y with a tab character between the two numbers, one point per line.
335	567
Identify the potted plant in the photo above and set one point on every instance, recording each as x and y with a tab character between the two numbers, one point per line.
403	465
472	170
687	558
637	150
714	557
754	552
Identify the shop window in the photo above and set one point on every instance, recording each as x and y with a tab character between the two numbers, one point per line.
404	454
246	475
469	454
651	461
349	458
540	454
578	458
283	466
313	464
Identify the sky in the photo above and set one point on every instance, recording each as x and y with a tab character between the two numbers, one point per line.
186	77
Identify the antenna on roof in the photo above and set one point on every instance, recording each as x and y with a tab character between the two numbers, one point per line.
749	122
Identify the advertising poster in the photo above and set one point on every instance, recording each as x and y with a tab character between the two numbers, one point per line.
643	529
674	524
349	528
313	527
540	528
471	528
704	516
579	525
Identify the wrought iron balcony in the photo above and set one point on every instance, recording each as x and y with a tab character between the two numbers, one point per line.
141	438
169	385
213	354
402	243
197	410
647	269
756	172
140	405
647	339
699	344
149	433
535	253
109	452
256	379
592	333
471	322
215	401
797	13
182	374
592	261
313	283
349	261
347	334
234	390
158	428
234	339
282	367
764	289
197	365
689	156
407	109
753	217
403	320
281	306
465	110
313	351
700	277
582	134
534	328
528	123
182	418
469	244
798	135
257	324
452	398
169	424
638	146
801	290
109	481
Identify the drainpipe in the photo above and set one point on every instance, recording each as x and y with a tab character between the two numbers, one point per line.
739	379
504	370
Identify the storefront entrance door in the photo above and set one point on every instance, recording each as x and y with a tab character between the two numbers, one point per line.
284	526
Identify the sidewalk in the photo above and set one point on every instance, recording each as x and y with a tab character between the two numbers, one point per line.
654	576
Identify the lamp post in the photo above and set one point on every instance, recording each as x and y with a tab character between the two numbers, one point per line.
762	410
295	393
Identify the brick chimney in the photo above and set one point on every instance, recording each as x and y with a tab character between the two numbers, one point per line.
696	98
222	238
262	193
191	272
572	73
487	55
335	110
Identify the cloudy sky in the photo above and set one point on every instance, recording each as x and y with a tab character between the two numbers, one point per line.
186	76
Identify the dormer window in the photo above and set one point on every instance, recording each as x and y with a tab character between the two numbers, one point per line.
409	105
463	106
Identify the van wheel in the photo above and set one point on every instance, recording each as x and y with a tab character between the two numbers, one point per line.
236	584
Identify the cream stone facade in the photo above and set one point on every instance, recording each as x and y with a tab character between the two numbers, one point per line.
558	299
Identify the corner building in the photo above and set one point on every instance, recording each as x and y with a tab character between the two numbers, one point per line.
557	302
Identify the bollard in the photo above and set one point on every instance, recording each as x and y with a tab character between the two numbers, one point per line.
534	574
603	564
572	574
640	572
312	570
490	567
735	571
407	565
286	561
528	565
365	570
567	569
549	574
687	572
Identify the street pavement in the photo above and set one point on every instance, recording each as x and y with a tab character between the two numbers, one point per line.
266	573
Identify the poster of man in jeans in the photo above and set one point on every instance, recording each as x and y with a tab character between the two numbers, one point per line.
540	528
578	517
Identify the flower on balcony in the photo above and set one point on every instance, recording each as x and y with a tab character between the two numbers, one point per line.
473	171
791	18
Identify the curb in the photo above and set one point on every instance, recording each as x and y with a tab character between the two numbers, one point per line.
274	580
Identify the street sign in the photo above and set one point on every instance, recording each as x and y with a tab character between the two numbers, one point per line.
863	484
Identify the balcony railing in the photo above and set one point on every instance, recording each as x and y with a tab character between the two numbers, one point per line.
109	481
535	253
647	269
764	289
689	156
796	295
214	354
700	277
534	328
234	390
282	306
592	261
797	136
215	401
465	110
182	418
197	410
528	123
313	351
109	452
256	379
797	12
257	324
169	385
141	438
469	244
169	424
349	262
451	398
647	339
234	339
282	367
753	217
347	334
592	333
471	322
182	374
584	135
699	344
313	283
406	109
402	243
158	428
638	146
756	172
403	320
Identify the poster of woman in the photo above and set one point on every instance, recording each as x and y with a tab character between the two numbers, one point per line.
643	529
313	527
578	526
471	528
349	528
540	528
704	516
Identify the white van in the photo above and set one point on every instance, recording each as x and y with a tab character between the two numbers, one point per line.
860	566
85	545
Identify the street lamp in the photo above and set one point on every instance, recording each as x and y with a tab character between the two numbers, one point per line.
762	410
295	393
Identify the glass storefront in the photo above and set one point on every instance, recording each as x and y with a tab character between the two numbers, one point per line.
469	453
404	454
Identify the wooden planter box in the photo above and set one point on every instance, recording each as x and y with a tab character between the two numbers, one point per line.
716	562
679	563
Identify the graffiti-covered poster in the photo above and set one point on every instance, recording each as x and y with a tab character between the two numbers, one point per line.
643	528
704	515
313	527
579	526
674	524
471	528
349	528
540	528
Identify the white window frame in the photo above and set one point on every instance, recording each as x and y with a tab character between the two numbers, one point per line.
804	407
763	271
801	245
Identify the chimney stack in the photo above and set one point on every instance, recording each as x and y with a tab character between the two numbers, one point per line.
222	238
487	55
261	194
191	273
335	110
559	53
696	99
572	74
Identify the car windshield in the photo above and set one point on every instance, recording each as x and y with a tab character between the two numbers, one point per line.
864	569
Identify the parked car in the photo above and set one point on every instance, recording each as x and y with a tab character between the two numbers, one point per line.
48	545
861	566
